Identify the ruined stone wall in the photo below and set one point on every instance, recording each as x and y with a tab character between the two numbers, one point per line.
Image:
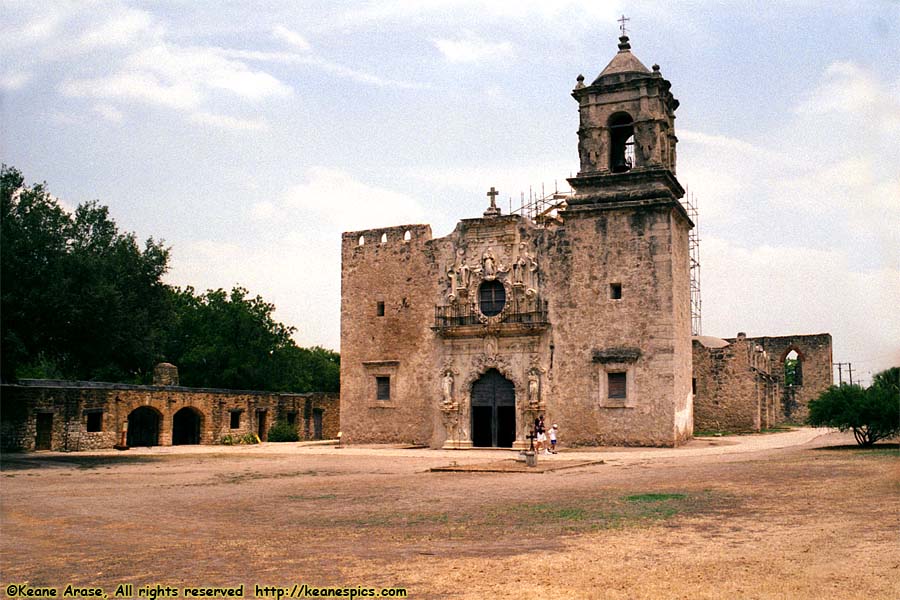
735	387
401	274
632	248
815	353
70	403
725	397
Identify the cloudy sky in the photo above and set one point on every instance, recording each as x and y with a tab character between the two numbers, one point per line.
248	136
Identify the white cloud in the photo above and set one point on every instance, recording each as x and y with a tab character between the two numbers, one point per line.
280	32
336	202
118	30
185	79
850	89
295	260
228	122
14	80
767	290
473	50
205	70
109	112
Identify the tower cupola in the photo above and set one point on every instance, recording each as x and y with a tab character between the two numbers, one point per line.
626	134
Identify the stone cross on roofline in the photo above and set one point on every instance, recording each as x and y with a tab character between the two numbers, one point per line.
622	21
493	210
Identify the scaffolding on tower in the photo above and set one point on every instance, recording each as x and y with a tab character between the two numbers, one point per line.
543	208
690	205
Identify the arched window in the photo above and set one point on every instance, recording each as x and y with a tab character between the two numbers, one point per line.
362	240
793	369
384	238
407	236
491	298
621	144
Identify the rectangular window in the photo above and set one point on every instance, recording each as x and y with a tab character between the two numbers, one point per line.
694	386
383	388
235	419
95	421
615	291
291	418
379	309
616	385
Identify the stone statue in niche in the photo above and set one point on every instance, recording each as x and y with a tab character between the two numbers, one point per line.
489	265
520	267
451	275
447	389
460	276
531	276
534	388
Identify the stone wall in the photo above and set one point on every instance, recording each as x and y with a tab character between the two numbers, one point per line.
572	265
634	249
388	285
67	406
739	382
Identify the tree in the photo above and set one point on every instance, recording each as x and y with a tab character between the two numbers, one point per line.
227	339
80	299
872	414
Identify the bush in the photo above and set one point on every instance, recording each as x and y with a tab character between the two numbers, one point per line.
872	414
231	440
282	431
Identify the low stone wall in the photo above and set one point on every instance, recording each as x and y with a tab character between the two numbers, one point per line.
73	415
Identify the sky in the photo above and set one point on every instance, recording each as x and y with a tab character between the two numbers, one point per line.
248	136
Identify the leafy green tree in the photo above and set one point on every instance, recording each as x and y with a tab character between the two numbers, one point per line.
79	299
227	339
872	414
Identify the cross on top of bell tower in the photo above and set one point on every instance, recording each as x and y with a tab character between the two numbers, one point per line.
622	21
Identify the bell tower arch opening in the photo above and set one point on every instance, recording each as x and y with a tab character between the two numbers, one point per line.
621	142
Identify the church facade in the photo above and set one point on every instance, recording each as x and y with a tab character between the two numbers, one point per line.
584	318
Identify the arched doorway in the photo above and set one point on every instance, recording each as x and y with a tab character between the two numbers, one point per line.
493	411
186	426
143	427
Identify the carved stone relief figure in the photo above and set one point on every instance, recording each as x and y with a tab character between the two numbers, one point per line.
584	153
491	344
464	271
646	139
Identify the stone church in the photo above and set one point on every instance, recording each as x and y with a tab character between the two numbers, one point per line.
464	340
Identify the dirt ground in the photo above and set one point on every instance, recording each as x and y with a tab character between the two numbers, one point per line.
801	514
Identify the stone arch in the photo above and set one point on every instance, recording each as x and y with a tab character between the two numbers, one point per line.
144	425
187	426
621	142
788	350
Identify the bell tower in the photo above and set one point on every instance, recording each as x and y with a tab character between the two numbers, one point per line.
626	134
628	288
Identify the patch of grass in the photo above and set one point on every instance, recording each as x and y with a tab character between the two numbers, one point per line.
654	497
310	497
